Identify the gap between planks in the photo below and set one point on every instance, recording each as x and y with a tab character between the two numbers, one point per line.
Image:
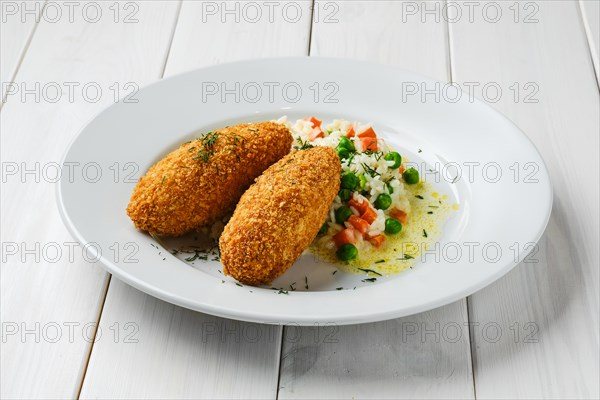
24	50
106	287
467	299
590	40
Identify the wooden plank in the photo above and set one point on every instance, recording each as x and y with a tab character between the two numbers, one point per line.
538	326
590	10
47	286
208	33
412	357
16	30
180	353
164	351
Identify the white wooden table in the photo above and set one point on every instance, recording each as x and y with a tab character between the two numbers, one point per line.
532	334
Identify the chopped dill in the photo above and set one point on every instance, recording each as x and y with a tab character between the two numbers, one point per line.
349	161
424	233
370	171
206	150
376	154
197	256
420	197
369	280
370	270
406	257
303	145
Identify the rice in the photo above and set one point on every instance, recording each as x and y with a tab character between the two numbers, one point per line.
379	177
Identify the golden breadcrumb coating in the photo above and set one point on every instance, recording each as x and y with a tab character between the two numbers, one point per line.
280	215
202	180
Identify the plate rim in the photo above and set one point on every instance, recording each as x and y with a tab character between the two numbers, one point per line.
262	317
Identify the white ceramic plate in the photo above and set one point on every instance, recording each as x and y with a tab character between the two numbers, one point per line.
482	161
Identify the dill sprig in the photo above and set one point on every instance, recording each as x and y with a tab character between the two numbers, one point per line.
370	170
370	270
207	146
303	145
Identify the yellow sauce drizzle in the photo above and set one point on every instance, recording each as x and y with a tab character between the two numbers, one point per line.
427	215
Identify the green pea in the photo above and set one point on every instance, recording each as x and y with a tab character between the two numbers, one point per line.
411	176
383	201
362	181
345	194
343	153
347	252
346	144
395	157
392	226
342	214
323	229
349	180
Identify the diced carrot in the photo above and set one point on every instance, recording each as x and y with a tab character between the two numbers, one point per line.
350	132
359	224
315	133
377	240
369	143
402	169
344	237
360	207
370	215
316	123
369	132
399	215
